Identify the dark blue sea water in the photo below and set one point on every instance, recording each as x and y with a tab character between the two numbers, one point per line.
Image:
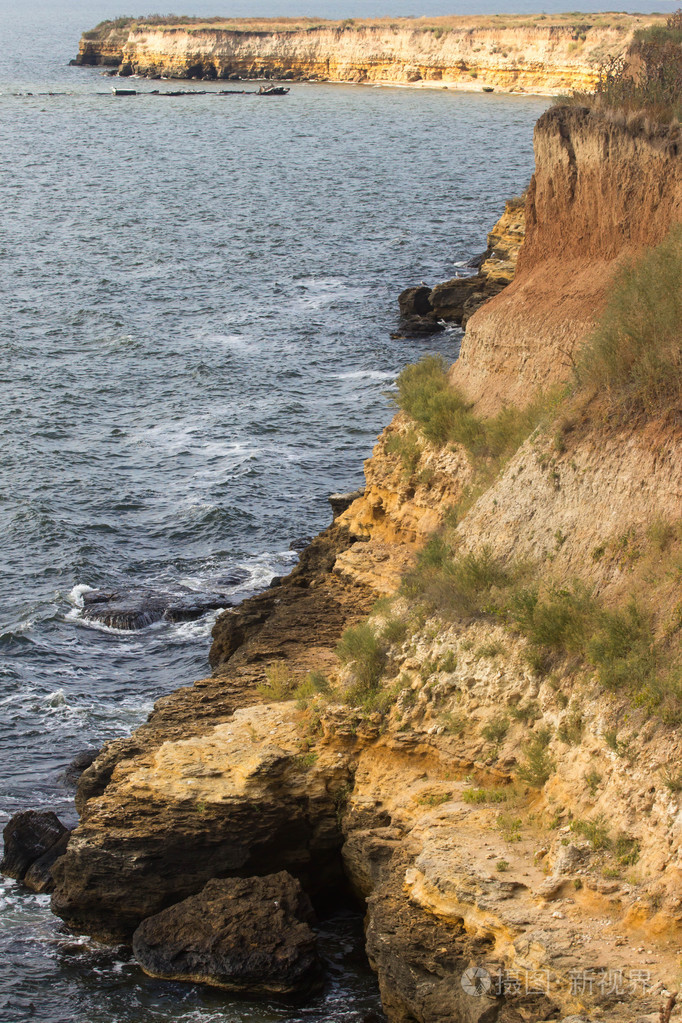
197	301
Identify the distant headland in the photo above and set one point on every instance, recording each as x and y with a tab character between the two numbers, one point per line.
539	54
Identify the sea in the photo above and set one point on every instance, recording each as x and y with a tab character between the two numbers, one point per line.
197	301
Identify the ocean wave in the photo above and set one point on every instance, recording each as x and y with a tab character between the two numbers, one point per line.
366	374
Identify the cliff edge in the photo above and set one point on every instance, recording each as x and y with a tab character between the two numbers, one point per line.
604	188
541	54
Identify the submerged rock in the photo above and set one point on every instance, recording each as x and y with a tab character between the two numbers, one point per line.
34	840
134	611
247	935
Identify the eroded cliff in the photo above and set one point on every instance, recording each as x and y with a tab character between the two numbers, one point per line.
542	55
604	188
498	801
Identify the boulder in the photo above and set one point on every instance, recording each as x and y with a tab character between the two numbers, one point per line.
134	611
251	936
415	301
39	877
448	299
28	836
417	326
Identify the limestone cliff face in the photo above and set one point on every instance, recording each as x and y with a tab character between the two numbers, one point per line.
603	190
423	801
535	55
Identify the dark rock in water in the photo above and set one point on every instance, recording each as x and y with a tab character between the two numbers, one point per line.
27	837
415	301
38	877
233	578
188	608
476	262
300	543
79	763
448	299
340	502
419	326
136	610
247	935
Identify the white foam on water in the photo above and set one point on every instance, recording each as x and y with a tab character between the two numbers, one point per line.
57	710
75	596
324	292
365	374
200	628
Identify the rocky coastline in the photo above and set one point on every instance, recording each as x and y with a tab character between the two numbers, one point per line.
538	54
511	829
424	310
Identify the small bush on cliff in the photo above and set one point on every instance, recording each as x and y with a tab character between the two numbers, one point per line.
560	620
647	80
279	684
314	684
407	448
366	654
457	586
539	764
634	360
445	417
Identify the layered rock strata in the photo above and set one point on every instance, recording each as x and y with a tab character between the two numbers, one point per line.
538	54
604	188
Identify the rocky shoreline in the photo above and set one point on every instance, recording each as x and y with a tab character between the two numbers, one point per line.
425	310
510	826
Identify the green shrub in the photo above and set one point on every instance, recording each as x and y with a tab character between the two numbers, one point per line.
496	729
454	723
647	80
394	630
490	650
593	780
458	585
366	654
626	850
595	831
509	827
280	683
478	796
671	776
539	764
634	359
570	730
623	650
527	712
315	683
445	416
560	620
448	662
407	448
